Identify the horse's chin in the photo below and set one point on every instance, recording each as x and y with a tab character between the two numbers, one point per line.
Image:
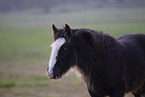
56	77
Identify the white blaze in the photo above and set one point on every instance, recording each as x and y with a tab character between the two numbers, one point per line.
55	48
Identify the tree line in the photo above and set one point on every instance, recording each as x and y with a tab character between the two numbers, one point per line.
15	5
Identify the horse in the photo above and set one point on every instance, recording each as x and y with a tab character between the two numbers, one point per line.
109	67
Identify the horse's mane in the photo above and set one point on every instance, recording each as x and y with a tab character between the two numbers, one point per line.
98	40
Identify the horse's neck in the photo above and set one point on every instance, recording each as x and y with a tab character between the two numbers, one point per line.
89	64
92	63
91	53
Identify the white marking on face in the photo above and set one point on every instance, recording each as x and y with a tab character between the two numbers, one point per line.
55	48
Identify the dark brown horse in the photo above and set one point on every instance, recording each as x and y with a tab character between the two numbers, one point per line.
109	66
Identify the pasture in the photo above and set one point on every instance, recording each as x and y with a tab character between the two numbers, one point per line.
24	48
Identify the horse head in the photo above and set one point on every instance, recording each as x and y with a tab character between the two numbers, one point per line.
62	55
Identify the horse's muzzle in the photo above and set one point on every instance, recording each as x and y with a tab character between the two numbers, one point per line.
51	75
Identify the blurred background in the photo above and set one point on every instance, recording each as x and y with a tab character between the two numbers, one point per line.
25	36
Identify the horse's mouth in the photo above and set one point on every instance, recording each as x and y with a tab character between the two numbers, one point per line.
51	75
56	77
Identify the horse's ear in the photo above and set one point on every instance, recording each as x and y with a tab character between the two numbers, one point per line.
54	29
67	32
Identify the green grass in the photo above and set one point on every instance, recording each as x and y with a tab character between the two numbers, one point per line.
24	48
7	84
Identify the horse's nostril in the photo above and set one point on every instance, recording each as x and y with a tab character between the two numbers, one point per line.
50	74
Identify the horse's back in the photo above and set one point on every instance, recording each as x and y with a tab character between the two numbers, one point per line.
135	46
133	39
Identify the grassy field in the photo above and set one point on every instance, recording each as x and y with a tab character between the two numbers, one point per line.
24	48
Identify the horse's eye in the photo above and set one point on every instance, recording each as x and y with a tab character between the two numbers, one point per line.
65	48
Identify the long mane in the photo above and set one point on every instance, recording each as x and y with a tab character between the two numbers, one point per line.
96	39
